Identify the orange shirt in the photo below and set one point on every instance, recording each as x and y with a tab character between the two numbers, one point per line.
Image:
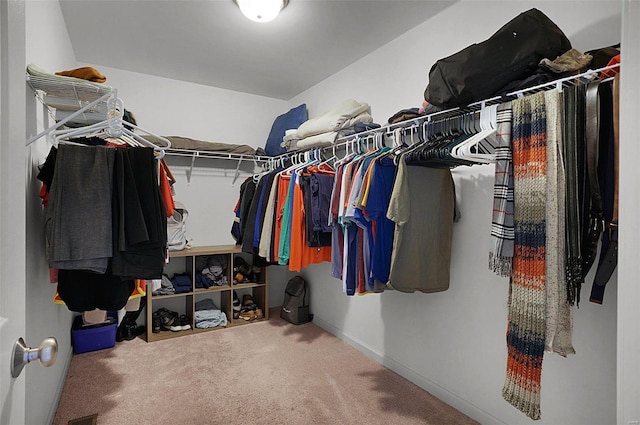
300	254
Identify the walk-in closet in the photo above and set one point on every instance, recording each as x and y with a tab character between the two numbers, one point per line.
439	300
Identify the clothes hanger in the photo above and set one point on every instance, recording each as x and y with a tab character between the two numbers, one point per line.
468	149
111	128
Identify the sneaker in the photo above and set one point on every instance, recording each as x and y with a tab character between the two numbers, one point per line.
166	316
156	322
176	326
236	301
247	300
185	322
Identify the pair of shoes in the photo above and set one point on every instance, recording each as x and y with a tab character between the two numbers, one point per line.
167	318
181	324
241	270
251	315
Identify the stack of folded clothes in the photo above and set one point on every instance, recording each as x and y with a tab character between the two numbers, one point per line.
208	315
290	140
211	270
339	121
162	286
182	283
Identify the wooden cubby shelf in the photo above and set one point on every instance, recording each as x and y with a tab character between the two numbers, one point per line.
185	303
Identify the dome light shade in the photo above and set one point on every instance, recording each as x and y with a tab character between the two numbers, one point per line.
261	10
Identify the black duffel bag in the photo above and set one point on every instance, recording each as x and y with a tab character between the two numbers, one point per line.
481	70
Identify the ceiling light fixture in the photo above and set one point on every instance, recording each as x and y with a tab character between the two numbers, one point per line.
261	10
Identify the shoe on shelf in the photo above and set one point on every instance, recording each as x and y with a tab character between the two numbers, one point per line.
236	301
247	299
249	315
156	322
167	318
185	322
165	315
176	326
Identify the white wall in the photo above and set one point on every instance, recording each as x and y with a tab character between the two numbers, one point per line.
48	46
628	388
453	343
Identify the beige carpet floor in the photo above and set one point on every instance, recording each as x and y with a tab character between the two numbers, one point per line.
271	372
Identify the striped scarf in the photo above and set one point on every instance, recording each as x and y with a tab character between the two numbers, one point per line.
501	251
527	297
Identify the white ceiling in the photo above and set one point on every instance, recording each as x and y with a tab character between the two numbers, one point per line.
211	43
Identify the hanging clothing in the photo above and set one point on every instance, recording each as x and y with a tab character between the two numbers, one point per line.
138	215
268	225
422	206
376	204
78	221
575	166
300	253
283	189
501	251
122	208
527	297
559	326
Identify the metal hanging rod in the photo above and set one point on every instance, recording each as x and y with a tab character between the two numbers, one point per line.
569	81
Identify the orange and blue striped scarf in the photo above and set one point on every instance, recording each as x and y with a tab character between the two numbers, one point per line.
527	296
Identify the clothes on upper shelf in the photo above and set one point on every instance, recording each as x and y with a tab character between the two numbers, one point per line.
339	121
86	73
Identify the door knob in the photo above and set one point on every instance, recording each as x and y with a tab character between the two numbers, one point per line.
22	355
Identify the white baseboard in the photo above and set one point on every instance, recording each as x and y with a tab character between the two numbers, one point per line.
58	395
423	382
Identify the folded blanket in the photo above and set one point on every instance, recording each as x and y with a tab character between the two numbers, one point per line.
332	120
186	143
318	140
290	135
210	319
329	138
206	304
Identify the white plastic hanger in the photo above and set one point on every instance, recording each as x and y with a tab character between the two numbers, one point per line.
112	127
480	147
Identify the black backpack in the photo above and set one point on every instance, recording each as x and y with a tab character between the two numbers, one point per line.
295	307
513	53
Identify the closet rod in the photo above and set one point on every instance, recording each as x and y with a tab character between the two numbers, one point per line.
587	76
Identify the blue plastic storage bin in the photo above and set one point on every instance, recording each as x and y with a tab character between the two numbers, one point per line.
92	339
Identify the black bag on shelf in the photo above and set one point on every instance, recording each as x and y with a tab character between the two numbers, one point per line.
295	307
479	71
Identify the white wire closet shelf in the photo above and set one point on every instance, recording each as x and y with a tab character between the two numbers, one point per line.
81	101
392	130
71	101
